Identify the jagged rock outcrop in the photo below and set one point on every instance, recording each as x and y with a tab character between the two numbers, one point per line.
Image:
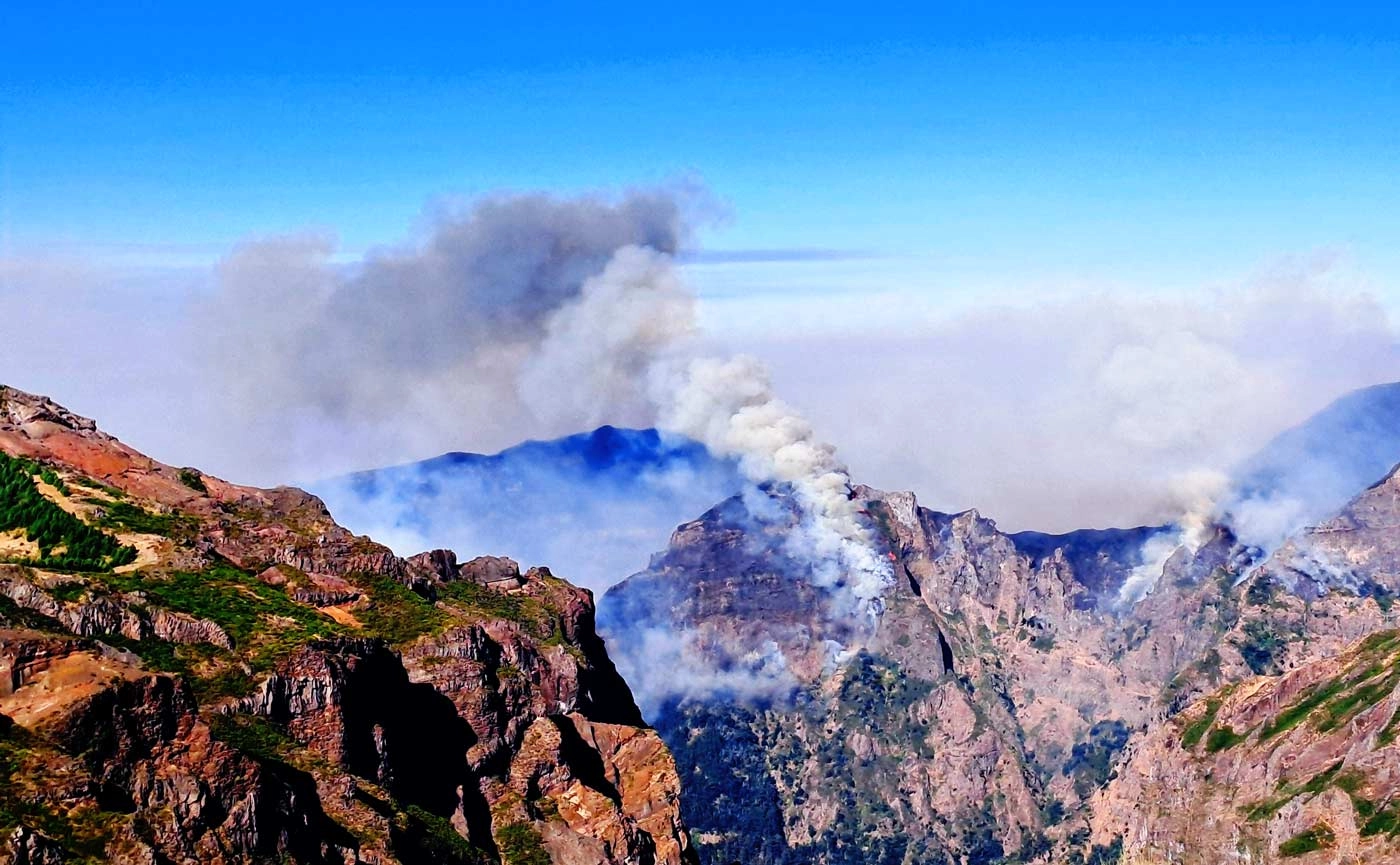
132	745
999	689
274	688
1269	769
105	615
27	847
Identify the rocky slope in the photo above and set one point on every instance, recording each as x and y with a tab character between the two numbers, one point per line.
1003	706
193	671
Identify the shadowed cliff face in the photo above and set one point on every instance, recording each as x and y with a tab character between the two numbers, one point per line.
253	683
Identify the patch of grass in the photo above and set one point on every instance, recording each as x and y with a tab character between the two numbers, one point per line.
255	736
431	838
1372	818
1193	734
397	614
1319	782
1347	706
125	516
1294	714
1378	820
1221	738
101	487
489	602
82	831
235	600
156	655
1388	732
265	624
1337	701
521	844
65	592
193	479
1319	837
1267	808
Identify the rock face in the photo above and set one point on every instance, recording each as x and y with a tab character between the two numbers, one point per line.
1272	768
260	685
1003	705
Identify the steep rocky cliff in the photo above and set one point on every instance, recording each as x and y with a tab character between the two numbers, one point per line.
997	706
193	671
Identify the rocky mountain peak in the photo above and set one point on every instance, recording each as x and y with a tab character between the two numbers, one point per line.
194	670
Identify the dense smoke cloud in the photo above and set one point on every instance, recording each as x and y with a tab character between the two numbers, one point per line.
527	313
536	316
414	350
729	405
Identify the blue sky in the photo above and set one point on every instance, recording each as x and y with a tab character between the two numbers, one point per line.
992	145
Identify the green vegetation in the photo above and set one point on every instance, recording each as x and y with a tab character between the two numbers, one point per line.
101	487
475	599
20	617
1193	734
1261	592
1091	761
1338	700
126	516
1392	727
398	614
1262	648
67	591
263	621
64	541
235	600
1319	837
1373	819
252	735
521	844
1221	738
426	837
193	479
1319	782
1379	820
50	477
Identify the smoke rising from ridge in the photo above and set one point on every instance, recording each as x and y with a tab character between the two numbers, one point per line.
1085	411
553	314
526	316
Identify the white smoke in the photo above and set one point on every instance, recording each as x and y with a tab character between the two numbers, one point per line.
1196	496
729	406
629	334
599	349
662	664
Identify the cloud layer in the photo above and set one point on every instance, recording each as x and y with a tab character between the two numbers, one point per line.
1089	411
536	316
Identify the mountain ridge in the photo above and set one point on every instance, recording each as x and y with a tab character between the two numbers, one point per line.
999	647
260	685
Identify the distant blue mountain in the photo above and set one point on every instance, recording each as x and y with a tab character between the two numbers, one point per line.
1307	473
592	506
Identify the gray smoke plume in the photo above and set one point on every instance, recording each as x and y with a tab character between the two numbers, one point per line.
527	313
395	356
